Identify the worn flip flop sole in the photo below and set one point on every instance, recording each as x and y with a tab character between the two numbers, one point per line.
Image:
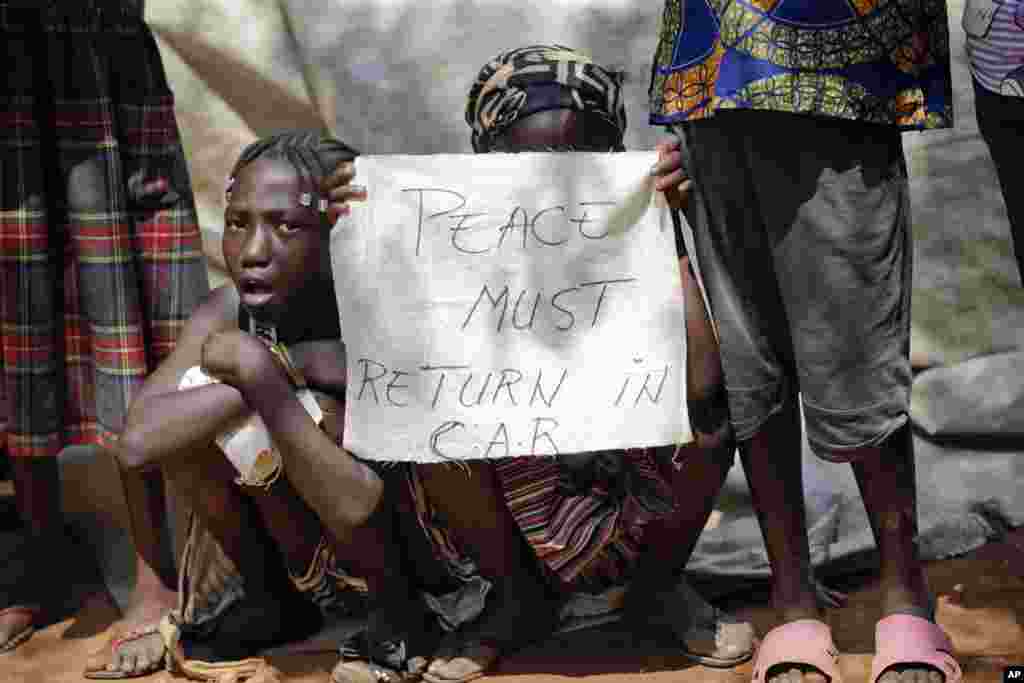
434	679
121	675
716	662
17	639
466	653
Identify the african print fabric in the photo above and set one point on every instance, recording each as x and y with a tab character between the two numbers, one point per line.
536	78
100	255
879	61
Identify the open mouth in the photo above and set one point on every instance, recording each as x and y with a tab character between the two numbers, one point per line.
255	292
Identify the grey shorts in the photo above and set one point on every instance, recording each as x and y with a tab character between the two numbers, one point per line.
802	232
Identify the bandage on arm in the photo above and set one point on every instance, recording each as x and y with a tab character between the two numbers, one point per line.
243	441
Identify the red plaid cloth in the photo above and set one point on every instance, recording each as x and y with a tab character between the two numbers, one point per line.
100	253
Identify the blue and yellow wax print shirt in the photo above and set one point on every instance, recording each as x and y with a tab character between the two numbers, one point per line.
881	61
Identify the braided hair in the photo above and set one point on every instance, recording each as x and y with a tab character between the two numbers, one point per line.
313	155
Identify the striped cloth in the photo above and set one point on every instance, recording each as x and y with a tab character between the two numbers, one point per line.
590	541
100	253
995	44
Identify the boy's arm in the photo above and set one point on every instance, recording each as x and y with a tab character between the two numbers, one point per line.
164	421
340	489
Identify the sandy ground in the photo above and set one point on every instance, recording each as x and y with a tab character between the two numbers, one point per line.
985	619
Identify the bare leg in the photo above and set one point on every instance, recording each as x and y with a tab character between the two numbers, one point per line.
375	550
772	463
699	469
401	633
669	542
133	646
292	524
697	472
204	479
37	493
473	506
474	509
885	476
370	551
155	582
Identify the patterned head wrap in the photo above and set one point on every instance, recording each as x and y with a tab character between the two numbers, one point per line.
527	80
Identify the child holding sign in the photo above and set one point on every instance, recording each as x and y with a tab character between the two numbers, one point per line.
228	415
621	517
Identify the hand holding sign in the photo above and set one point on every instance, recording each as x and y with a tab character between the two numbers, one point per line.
507	305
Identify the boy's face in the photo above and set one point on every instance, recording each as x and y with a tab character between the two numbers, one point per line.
273	246
557	130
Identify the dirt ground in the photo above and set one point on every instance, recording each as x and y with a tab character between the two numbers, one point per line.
981	605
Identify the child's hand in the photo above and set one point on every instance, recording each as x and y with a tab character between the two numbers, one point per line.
672	178
237	358
340	191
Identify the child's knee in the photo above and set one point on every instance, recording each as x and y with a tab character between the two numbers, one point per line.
716	450
708	407
361	506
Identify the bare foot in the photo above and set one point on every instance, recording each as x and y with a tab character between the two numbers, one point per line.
911	674
135	646
469	652
457	661
910	597
706	633
790	674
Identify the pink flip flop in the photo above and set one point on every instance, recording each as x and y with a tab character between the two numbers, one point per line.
903	639
805	642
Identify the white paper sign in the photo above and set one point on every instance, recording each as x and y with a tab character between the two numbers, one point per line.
500	305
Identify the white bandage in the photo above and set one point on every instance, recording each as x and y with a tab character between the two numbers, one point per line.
245	439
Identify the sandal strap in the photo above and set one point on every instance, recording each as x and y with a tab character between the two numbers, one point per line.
135	634
802	642
210	672
28	610
332	591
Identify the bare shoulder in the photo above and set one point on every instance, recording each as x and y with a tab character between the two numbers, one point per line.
217	312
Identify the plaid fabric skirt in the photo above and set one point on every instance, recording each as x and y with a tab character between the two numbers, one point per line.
100	254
